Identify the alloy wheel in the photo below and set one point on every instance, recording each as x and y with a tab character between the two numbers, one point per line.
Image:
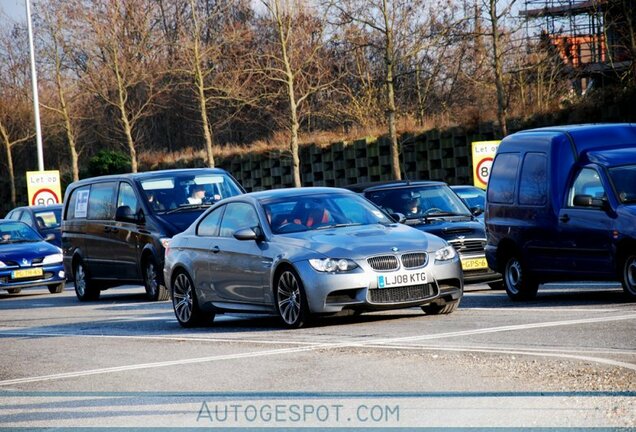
289	298
182	298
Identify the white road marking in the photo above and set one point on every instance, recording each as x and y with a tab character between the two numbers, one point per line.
538	309
382	342
610	362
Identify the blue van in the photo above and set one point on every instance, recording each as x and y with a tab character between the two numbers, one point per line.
561	205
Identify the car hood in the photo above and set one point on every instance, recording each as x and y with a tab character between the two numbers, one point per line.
363	241
29	251
450	229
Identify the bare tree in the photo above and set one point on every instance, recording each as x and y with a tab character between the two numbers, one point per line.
16	118
294	59
211	37
498	12
56	51
119	60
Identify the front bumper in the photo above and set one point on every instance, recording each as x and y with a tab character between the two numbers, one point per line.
334	292
52	274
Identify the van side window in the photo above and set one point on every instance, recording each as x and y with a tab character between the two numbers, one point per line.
78	203
587	182
503	178
209	226
101	201
533	185
127	197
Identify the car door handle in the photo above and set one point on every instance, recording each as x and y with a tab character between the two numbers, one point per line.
565	218
216	249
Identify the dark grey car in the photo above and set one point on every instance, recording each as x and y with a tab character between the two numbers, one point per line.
297	252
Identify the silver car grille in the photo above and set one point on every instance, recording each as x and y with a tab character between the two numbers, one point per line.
414	260
401	294
468	246
383	263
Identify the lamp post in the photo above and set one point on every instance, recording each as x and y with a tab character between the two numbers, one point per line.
34	83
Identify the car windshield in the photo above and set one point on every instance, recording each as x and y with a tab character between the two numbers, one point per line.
48	218
474	197
17	232
186	191
624	179
314	212
419	201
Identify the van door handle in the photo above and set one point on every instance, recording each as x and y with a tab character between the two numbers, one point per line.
565	218
216	249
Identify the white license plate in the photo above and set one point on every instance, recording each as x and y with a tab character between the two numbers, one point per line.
399	279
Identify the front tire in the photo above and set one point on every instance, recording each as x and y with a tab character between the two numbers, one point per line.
185	303
291	302
57	288
441	309
155	291
629	277
85	289
519	283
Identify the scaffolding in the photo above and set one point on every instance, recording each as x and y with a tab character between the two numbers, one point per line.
582	33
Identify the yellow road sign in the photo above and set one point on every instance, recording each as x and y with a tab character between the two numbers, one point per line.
483	155
44	187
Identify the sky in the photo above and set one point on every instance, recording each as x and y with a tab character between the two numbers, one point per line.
14	9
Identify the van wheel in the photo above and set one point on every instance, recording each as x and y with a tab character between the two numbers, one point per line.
57	288
519	284
629	277
155	291
85	289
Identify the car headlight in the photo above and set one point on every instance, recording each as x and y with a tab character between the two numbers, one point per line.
53	259
445	254
2	264
332	265
165	242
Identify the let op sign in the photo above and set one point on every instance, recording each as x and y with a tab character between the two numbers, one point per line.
44	187
483	155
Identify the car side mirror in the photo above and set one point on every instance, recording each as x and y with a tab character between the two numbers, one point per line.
49	237
255	234
125	214
589	201
477	210
398	217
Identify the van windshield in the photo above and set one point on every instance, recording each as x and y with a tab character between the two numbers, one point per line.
184	191
624	179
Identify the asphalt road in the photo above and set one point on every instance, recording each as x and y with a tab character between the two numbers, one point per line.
567	359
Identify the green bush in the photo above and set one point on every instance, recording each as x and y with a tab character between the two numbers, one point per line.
108	162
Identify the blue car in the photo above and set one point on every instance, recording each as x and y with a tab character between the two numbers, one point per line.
27	260
46	220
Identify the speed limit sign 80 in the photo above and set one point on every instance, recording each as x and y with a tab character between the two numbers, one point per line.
483	155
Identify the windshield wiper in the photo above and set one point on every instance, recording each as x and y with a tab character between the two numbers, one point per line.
340	225
187	207
24	241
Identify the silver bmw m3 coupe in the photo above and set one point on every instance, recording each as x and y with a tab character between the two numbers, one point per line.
304	251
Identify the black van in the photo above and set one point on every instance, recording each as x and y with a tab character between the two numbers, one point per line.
115	228
561	205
